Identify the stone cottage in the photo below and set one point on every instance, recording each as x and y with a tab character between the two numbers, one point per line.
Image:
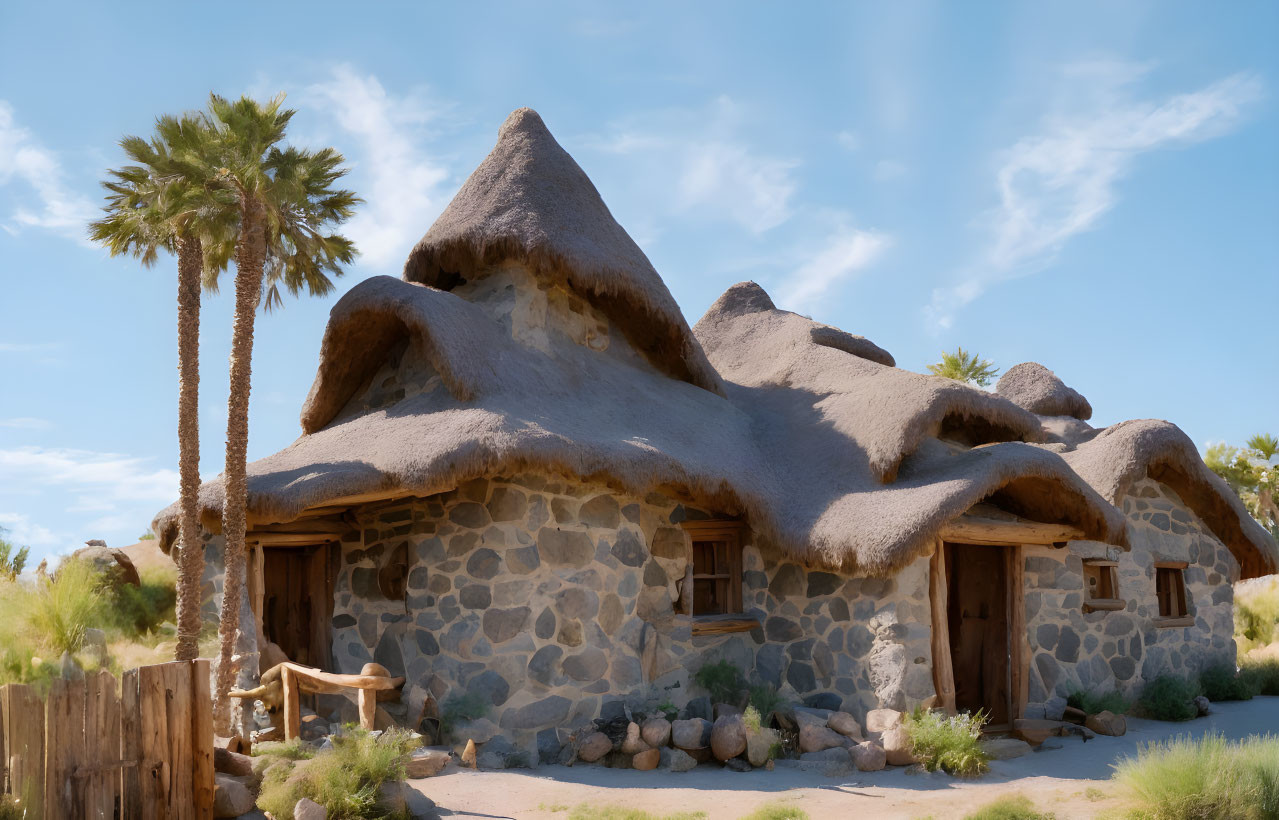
523	476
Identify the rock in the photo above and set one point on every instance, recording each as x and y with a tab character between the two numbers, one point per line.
694	733
633	744
897	747
736	764
722	709
868	756
115	565
1203	705
656	732
426	763
680	761
1074	715
759	746
468	755
69	668
881	720
481	730
393	797
1036	732
500	753
1107	723
308	809
647	760
830	763
728	737
231	797
594	746
313	727
1005	748
95	643
1054	708
814	738
228	762
845	724
699	708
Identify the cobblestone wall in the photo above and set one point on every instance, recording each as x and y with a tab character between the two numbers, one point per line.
551	599
1101	651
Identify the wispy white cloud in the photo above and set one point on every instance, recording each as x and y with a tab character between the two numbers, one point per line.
704	157
27	347
25	423
845	252
1060	182
849	140
100	495
397	176
50	203
107	476
21	530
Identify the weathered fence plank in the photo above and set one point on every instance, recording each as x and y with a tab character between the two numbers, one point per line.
64	749
130	752
24	740
202	740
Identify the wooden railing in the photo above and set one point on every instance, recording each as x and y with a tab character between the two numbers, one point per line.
100	748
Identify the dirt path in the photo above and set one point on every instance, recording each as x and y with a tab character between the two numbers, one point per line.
1056	779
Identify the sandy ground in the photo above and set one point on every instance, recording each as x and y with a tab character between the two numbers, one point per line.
1057	779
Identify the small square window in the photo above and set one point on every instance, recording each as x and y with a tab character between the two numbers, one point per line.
716	559
1170	588
1101	578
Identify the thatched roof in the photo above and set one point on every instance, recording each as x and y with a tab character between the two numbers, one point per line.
828	450
1036	388
529	200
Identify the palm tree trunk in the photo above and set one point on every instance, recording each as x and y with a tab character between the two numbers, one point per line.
190	544
250	255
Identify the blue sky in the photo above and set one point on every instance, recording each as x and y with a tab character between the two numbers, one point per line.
1094	186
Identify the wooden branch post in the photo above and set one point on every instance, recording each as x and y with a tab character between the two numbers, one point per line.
297	679
292	704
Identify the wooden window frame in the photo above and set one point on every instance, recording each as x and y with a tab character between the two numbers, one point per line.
1107	573
1178	611
734	619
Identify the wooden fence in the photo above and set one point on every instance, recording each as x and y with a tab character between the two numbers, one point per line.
101	749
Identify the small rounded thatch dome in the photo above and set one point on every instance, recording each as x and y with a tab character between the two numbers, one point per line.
1033	387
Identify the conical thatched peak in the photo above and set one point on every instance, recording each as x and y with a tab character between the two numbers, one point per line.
530	201
1033	387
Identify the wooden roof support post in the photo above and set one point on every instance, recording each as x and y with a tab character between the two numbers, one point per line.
943	672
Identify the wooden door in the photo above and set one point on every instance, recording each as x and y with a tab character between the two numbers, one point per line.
297	602
977	618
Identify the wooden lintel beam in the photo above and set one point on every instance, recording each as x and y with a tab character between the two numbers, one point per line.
968	529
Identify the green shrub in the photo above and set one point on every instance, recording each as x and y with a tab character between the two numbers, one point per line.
765	699
1222	682
949	743
1262	674
1015	807
345	779
139	610
1168	697
1256	614
722	680
1093	703
588	812
1205	779
459	709
295	749
777	811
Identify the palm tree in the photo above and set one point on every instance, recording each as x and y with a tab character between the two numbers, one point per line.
158	205
963	366
286	200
